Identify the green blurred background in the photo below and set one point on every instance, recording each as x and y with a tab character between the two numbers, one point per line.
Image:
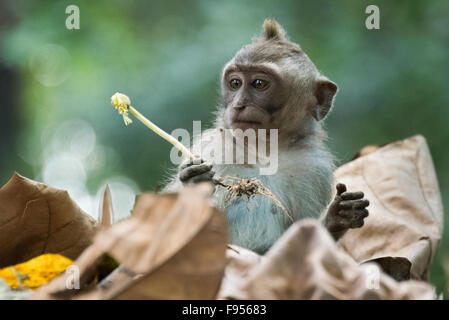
57	124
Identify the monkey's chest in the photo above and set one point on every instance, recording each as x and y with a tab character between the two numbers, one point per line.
255	222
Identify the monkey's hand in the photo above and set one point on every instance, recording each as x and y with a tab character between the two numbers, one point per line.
346	211
191	171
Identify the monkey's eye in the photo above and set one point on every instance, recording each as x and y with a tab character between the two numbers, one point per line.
235	84
260	84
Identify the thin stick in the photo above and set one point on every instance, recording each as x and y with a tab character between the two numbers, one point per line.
123	104
162	133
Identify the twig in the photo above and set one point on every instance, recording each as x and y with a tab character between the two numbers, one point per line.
123	104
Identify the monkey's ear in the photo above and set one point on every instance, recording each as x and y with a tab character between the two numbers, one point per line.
272	30
324	92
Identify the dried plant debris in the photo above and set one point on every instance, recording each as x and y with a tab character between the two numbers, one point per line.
172	247
400	181
305	263
37	219
238	187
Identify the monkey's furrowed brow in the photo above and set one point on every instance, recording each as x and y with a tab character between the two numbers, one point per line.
250	68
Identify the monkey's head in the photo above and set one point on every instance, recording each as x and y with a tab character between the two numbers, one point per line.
272	84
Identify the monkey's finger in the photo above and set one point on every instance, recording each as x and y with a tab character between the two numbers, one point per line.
194	170
184	165
351	218
343	223
364	213
347	214
352	195
354	204
353	214
340	188
207	176
189	163
357	223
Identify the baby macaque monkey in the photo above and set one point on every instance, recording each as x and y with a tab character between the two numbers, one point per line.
272	84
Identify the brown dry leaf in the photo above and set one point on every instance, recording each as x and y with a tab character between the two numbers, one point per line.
172	247
404	228
37	219
305	263
240	262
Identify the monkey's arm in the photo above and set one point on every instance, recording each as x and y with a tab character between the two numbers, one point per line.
347	211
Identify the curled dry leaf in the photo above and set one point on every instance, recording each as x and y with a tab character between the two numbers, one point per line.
305	263
172	247
37	219
240	262
405	225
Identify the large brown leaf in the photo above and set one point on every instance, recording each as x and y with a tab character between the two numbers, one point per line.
405	225
172	247
37	219
305	263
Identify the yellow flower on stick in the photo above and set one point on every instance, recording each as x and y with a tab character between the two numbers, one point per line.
123	104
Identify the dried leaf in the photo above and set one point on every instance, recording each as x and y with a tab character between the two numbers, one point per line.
305	263
406	212
240	263
37	219
172	247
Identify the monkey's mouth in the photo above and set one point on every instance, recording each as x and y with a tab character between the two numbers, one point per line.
246	124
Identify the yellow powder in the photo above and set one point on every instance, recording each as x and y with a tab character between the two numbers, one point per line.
37	271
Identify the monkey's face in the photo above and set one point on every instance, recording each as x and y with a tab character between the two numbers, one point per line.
272	84
253	96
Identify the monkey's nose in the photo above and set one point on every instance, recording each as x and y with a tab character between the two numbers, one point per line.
239	107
